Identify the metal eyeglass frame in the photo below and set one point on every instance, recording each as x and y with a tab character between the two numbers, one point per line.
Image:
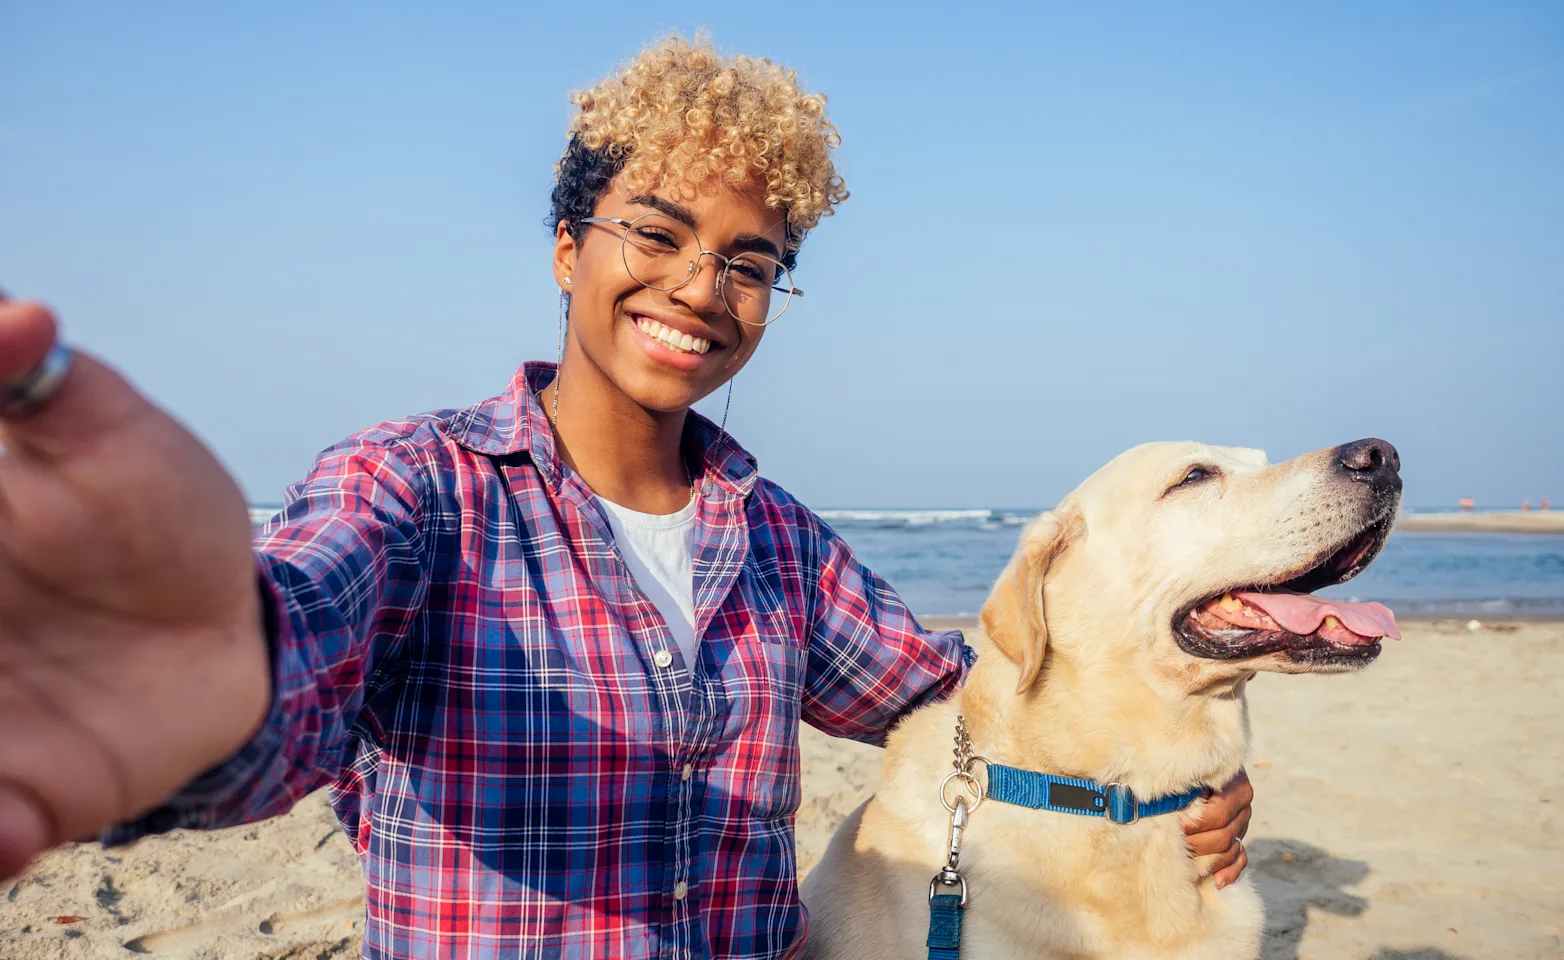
722	275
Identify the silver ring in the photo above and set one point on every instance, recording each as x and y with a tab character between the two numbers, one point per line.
26	395
970	782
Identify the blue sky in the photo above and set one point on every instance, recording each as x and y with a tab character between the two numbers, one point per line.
1071	230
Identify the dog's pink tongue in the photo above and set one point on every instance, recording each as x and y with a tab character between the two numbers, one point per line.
1302	614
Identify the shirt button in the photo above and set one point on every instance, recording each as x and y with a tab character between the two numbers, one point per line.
662	658
681	890
685	773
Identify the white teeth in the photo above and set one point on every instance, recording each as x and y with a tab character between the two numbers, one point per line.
683	342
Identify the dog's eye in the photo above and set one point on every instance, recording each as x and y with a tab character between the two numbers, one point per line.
1194	476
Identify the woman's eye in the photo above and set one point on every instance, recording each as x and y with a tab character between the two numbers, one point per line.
749	272
656	236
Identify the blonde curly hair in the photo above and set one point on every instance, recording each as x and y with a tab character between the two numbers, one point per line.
681	113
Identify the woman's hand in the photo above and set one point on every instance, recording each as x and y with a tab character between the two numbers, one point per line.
132	652
1219	832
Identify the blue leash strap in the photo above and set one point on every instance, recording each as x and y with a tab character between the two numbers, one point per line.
1045	791
944	941
948	889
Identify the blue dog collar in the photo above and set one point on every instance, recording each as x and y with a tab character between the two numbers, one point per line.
1088	798
1114	802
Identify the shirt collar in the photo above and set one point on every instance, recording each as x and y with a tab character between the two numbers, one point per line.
515	422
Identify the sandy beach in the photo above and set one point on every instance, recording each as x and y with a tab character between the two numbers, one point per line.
1409	812
1533	521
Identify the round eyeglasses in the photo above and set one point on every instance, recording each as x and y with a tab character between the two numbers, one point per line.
664	254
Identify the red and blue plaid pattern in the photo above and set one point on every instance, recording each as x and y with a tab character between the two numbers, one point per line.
463	658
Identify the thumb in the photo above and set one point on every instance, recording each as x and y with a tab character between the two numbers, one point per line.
27	331
91	401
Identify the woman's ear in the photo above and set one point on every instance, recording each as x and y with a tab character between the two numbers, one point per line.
564	255
1013	615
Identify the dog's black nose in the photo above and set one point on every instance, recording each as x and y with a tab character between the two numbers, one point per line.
1371	461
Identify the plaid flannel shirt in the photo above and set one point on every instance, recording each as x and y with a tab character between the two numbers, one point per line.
515	746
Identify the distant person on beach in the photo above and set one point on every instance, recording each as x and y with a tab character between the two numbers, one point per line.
549	652
1466	504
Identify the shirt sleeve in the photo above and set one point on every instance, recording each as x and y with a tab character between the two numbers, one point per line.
870	661
343	578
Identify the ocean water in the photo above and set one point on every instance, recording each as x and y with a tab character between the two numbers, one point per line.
944	561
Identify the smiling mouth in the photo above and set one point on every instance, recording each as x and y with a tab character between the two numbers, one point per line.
1284	617
671	338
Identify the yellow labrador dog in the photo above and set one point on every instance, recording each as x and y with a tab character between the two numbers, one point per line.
1125	628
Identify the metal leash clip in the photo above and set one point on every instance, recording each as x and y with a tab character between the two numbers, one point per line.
949	876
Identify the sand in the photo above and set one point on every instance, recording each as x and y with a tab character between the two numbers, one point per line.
1535	521
1409	812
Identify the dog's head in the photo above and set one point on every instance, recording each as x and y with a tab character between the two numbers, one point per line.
1196	564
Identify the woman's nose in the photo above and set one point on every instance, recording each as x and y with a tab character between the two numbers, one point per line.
702	293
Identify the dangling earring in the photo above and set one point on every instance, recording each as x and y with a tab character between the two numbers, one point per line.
559	337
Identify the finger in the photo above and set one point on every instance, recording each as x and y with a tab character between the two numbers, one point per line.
65	762
1223	861
1217	812
1241	788
1230	873
27	330
24	830
1223	806
92	401
1211	842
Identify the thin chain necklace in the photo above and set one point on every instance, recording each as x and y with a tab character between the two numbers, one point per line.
559	369
554	422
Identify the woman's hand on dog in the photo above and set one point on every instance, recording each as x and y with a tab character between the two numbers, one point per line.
1220	829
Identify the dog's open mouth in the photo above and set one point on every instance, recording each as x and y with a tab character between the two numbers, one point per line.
1285	617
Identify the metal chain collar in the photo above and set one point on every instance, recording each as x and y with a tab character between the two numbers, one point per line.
962	764
963	750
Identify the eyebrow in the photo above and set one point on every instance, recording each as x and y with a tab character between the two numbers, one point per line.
674	210
757	244
752	242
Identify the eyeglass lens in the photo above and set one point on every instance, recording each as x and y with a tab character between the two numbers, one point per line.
662	253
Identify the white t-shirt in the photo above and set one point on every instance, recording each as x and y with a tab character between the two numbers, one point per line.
659	549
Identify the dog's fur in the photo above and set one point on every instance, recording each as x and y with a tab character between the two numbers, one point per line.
1082	675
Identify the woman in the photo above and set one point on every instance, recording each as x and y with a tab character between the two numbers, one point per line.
549	652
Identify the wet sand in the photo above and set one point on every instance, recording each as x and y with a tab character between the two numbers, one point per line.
1408	811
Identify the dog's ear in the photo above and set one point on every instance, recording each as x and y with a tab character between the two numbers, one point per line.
1013	616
